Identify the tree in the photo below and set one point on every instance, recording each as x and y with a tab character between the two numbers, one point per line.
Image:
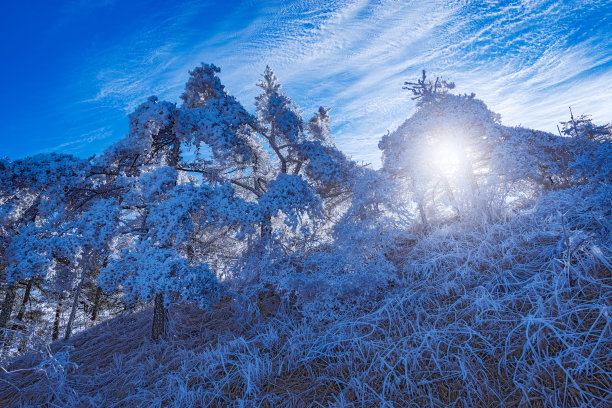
35	193
87	243
443	154
590	149
264	167
425	91
175	204
160	257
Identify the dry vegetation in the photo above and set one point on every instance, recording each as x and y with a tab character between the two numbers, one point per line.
513	313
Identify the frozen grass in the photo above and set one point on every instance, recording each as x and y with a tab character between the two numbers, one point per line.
514	312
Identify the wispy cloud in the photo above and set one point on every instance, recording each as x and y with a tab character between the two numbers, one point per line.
527	60
76	145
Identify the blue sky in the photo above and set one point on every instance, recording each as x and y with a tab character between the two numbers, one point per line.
71	71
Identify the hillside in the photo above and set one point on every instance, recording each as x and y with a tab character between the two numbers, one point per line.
498	316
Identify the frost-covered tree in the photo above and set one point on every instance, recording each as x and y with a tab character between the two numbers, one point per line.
223	134
86	241
280	122
162	258
443	152
164	212
588	149
425	91
273	142
35	193
458	160
271	168
68	234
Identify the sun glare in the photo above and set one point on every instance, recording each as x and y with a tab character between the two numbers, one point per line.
445	158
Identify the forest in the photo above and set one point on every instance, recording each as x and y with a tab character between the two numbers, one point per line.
217	256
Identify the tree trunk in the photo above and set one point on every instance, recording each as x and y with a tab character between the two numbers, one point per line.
26	299
18	325
423	216
7	305
56	322
96	306
160	317
74	306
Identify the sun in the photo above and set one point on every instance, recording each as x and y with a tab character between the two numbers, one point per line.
445	158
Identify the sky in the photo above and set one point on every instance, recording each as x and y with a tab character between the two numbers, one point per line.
73	70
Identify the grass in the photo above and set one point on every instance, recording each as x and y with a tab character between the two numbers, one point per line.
511	313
